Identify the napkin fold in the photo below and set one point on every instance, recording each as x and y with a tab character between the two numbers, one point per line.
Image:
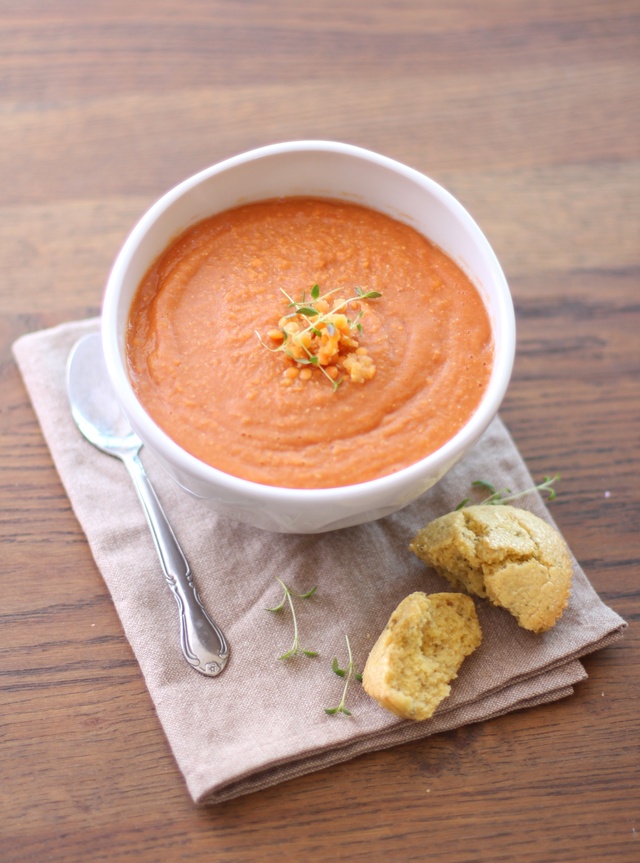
263	720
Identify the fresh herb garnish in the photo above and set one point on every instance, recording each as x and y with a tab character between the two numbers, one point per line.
287	597
316	335
346	673
505	495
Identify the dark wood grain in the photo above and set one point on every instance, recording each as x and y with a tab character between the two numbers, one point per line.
530	114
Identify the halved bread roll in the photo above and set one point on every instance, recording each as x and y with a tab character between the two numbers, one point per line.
504	554
420	651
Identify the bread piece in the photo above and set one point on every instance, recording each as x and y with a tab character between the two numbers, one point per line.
420	651
508	555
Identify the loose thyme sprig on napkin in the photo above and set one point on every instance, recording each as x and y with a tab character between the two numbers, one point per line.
347	673
505	495
287	597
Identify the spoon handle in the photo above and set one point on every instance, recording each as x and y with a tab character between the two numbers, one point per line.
203	644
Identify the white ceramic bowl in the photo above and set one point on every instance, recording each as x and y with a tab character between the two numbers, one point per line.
333	170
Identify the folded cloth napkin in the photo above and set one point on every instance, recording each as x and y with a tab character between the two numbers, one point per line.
263	720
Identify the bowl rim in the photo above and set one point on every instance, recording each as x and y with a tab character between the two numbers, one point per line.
391	484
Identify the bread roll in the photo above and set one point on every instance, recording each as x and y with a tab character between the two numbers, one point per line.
507	555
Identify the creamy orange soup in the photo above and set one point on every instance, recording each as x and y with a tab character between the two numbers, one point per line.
206	360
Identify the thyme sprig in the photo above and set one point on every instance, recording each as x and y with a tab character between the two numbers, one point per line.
317	322
505	495
346	673
287	597
308	309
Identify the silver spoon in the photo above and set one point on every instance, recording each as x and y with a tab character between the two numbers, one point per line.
97	413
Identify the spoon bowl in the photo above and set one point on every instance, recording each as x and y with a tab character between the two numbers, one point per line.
94	405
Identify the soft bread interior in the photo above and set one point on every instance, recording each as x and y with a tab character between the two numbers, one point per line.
418	654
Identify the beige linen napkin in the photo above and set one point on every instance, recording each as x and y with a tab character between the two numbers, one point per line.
263	720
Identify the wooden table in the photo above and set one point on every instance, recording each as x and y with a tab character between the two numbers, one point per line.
530	114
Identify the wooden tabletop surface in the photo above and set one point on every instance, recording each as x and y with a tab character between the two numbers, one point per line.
530	114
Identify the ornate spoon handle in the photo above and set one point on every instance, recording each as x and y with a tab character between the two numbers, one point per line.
203	644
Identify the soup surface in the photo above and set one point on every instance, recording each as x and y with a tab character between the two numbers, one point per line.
206	360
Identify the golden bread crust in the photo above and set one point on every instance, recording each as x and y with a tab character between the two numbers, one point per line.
420	651
504	554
